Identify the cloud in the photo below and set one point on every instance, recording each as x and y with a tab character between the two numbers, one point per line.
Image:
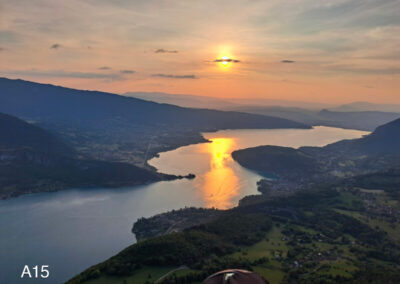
171	76
64	74
2	48
363	70
55	46
104	68
9	37
227	60
314	33
288	61
127	71
312	17
162	50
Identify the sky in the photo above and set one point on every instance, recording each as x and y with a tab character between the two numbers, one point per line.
304	50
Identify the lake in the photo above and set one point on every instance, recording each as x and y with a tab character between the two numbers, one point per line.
73	229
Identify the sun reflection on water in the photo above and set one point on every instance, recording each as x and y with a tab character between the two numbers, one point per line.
220	185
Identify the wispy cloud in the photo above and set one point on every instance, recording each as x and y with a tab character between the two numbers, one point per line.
104	68
127	71
55	46
63	74
162	50
227	60
363	70
171	76
9	37
355	39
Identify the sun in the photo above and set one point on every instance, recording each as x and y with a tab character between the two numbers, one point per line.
225	61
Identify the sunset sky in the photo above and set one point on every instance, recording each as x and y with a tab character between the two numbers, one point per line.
304	50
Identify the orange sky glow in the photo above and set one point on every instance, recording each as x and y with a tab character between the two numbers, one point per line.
317	51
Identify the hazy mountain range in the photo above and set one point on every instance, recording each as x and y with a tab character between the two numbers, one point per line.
187	100
366	106
53	104
86	138
357	115
119	128
194	101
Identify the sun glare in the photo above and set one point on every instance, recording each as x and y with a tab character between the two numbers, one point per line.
220	182
225	61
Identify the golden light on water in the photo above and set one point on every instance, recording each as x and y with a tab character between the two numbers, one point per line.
220	182
220	185
220	151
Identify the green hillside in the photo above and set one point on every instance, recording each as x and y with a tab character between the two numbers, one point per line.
34	160
326	234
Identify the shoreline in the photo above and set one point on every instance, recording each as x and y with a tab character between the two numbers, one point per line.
165	177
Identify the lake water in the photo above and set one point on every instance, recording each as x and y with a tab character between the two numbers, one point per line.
73	229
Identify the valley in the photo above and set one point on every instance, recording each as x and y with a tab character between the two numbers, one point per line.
199	142
109	213
309	208
342	228
329	235
111	127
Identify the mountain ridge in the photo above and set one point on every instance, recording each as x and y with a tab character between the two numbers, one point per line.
18	133
39	103
108	126
33	160
374	152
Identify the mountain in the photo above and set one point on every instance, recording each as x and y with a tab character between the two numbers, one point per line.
16	133
194	101
303	115
119	128
362	120
298	168
191	101
265	102
385	140
103	110
280	159
367	106
34	160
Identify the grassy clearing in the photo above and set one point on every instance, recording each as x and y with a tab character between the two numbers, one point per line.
269	247
338	268
272	246
393	230
270	272
348	200
375	191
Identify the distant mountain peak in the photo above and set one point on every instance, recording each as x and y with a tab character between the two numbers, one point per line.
367	106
